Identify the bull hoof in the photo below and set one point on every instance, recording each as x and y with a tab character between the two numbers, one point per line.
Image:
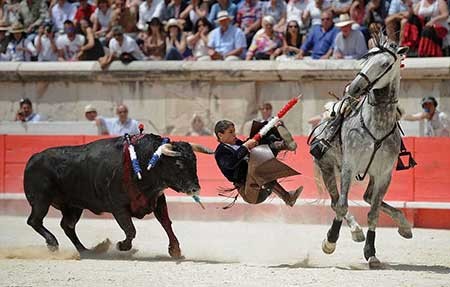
53	248
123	245
175	252
405	232
374	263
328	247
358	235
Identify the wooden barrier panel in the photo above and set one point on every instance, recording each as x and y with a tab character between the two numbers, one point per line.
429	181
432	175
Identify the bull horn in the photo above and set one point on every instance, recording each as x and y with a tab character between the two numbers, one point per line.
166	149
201	149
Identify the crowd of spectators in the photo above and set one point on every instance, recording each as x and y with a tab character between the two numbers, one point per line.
128	30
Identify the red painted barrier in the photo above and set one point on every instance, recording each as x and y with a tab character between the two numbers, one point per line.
429	181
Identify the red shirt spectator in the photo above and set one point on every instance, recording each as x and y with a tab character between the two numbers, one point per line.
84	11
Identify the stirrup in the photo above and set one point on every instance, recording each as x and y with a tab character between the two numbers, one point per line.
411	162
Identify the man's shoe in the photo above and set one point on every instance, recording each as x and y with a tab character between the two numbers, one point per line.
293	195
287	138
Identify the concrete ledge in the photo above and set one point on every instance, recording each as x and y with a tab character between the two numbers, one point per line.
49	128
415	68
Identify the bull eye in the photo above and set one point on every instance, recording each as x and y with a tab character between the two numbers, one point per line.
179	164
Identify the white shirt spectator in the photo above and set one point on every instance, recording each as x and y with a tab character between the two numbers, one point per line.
13	54
115	127
61	14
46	53
33	118
71	48
438	126
128	46
295	10
352	47
146	13
315	13
103	18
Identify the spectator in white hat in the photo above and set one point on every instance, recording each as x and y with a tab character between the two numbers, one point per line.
349	43
226	42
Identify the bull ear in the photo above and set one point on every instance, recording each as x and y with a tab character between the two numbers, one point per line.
167	150
201	149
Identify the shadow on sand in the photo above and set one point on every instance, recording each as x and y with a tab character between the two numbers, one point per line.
438	269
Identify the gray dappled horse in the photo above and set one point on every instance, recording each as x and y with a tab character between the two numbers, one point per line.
368	143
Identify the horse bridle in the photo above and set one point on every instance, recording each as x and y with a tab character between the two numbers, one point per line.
372	83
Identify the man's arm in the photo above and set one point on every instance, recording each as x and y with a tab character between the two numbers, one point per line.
415	117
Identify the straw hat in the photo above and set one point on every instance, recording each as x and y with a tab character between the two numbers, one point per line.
173	22
89	108
17	28
344	20
222	15
4	26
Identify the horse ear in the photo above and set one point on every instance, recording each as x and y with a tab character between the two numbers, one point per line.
402	50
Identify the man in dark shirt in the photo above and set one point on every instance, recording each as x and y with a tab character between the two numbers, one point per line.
232	157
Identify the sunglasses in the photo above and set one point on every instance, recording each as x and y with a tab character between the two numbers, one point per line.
328	19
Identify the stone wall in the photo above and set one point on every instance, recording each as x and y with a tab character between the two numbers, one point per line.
165	95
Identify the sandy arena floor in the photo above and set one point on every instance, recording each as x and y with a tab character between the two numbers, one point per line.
220	254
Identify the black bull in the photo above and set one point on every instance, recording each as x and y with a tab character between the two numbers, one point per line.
96	177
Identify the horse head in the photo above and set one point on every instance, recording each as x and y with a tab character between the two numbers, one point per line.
379	68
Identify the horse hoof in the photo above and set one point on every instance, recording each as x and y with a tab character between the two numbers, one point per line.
358	235
374	263
123	246
175	252
328	247
53	248
405	232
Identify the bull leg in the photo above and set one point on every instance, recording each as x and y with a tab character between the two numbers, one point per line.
379	190
162	215
404	228
38	211
70	218
123	218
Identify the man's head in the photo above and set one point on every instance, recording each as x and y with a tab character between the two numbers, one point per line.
225	132
90	112
223	19
327	20
117	32
122	113
197	123
266	110
69	28
83	3
26	107
429	104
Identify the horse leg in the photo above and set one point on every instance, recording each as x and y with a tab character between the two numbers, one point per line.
379	190
340	206
162	215
404	228
71	215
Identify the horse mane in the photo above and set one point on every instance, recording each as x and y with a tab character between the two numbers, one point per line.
380	43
